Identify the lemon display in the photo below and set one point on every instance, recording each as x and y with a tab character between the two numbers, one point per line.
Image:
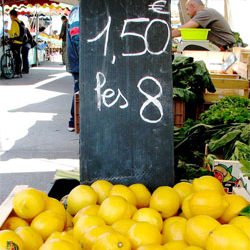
173	229
184	189
13	222
28	203
114	208
102	188
227	237
208	182
32	240
235	204
112	241
198	228
142	194
144	233
79	197
10	240
193	248
166	201
149	215
47	222
123	191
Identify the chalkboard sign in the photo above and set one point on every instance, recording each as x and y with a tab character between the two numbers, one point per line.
126	123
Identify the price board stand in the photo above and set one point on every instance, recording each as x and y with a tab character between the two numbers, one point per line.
126	104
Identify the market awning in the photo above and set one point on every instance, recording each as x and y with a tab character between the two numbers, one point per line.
34	2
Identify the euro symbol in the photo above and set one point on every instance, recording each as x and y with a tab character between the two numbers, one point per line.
158	7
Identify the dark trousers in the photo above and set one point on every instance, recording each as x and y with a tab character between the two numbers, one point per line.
76	89
16	50
25	58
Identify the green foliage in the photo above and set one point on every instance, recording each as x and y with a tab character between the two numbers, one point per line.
192	76
228	110
220	129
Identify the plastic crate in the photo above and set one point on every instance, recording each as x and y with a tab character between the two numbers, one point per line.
179	112
194	34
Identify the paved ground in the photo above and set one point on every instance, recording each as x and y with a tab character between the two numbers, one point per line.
34	140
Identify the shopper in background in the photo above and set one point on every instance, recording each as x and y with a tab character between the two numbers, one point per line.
27	45
63	35
16	40
73	56
201	17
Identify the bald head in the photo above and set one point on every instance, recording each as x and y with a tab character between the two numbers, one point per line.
193	6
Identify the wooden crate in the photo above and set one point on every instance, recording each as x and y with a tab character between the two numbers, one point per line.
243	69
179	112
227	87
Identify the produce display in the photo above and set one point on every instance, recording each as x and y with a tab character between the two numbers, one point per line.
224	127
106	216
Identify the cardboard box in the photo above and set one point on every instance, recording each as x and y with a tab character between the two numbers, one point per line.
245	182
243	69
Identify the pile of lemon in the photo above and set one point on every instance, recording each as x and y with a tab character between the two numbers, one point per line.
106	216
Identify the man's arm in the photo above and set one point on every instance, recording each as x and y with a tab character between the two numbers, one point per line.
189	24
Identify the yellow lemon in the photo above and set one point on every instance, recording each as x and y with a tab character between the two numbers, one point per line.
112	241
114	208
92	235
151	247
57	244
88	210
173	229
166	201
207	202
122	226
47	222
236	204
198	228
28	203
184	189
10	240
142	194
175	245
149	215
243	223
186	212
65	236
69	221
227	237
143	233
193	248
32	240
56	206
79	197
102	188
84	223
13	222
123	191
208	182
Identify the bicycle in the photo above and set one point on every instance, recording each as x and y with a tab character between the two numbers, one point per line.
7	64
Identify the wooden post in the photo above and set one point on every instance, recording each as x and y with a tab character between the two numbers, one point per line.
126	103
